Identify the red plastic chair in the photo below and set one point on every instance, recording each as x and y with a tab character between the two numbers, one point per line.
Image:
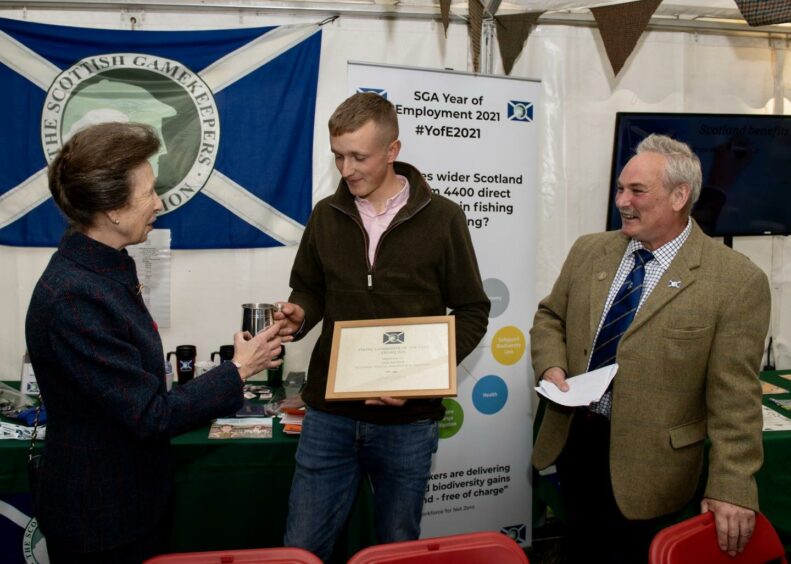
281	555
470	548
694	541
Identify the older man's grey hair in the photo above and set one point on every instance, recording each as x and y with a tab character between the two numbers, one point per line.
682	166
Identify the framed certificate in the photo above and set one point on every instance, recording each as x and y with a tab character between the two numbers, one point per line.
407	357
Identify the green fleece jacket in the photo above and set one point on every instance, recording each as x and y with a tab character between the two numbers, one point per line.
424	265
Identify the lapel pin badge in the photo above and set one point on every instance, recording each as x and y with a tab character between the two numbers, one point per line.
674	284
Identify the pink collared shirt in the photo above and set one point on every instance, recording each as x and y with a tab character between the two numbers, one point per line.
376	223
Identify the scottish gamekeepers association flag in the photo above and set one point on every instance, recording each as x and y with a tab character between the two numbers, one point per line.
234	110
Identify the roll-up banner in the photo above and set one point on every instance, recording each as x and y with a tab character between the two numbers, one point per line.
475	139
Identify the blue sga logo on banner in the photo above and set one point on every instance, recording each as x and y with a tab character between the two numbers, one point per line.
234	110
517	533
381	91
520	111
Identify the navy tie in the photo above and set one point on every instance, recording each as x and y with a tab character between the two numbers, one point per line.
621	312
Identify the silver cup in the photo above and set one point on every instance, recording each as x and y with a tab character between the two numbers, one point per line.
257	317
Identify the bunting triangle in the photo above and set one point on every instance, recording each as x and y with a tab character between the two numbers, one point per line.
444	8
512	32
621	25
765	12
475	29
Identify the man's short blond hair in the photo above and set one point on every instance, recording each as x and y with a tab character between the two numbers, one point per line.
360	108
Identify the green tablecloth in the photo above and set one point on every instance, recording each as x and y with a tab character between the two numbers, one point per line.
234	494
774	478
230	493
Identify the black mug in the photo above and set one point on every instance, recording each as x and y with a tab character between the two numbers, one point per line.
185	362
274	376
225	352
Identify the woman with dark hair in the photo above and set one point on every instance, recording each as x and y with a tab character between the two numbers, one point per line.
104	488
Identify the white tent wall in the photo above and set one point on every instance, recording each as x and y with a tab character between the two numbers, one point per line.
668	71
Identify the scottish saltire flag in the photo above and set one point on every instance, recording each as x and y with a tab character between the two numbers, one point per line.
234	109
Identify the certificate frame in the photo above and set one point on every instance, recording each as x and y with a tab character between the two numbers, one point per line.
367	360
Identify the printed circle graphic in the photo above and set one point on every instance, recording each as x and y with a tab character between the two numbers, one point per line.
498	294
34	547
508	345
132	87
490	394
453	420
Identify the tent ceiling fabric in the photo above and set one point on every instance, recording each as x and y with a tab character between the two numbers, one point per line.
682	8
702	8
617	20
620	22
686	9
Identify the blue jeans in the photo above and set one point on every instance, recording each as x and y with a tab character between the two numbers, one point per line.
334	454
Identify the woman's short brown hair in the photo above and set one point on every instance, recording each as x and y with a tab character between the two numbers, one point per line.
358	109
91	173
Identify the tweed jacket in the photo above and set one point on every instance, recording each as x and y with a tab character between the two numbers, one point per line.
105	476
688	369
425	263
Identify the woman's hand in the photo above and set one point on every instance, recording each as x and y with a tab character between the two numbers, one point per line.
254	354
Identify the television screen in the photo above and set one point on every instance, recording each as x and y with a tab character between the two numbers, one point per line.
746	161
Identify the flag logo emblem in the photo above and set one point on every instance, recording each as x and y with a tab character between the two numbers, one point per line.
142	88
393	337
517	533
520	111
381	91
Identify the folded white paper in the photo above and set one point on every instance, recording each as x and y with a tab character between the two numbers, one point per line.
583	389
774	421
